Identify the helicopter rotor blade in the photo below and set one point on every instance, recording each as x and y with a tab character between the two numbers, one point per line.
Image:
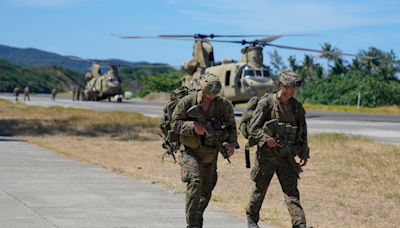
311	50
154	37
270	39
199	36
202	36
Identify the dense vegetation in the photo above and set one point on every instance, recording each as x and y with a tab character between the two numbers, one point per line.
149	78
161	83
39	79
340	82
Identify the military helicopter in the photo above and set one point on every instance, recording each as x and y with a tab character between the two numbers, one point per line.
240	80
100	87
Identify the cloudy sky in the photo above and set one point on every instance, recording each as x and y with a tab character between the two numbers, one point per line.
84	27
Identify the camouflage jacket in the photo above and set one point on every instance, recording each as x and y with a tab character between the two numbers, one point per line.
182	124
294	114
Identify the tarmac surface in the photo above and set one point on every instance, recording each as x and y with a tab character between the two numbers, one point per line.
39	188
384	128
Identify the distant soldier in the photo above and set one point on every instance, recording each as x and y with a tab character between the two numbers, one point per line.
78	93
279	127
198	119
16	93
119	98
73	93
53	94
26	93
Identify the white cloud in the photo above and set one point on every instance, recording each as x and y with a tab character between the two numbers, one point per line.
292	16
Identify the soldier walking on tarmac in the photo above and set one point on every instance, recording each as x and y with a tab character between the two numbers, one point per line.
26	93
53	94
78	94
206	124
73	93
16	93
278	126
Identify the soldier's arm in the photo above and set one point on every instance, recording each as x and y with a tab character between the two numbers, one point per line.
229	119
257	121
305	152
180	120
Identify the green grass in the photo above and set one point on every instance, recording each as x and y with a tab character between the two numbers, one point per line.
387	110
27	120
394	196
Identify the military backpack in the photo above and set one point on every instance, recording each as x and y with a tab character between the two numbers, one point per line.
245	121
171	142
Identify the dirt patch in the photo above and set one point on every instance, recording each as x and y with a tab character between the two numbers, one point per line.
160	96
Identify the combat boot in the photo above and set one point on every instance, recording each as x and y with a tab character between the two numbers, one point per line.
251	223
300	226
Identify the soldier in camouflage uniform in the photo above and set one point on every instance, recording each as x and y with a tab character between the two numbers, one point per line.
276	155
16	93
26	93
199	157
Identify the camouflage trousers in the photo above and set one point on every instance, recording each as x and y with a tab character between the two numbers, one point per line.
261	174
200	179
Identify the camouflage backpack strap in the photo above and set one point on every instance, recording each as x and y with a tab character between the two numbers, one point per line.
193	98
246	116
273	102
245	121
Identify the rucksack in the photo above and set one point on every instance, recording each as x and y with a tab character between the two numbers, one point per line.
245	120
248	113
171	142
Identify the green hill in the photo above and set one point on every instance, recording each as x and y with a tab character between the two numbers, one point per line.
39	79
44	70
33	57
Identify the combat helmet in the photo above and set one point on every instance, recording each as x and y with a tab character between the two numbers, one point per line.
210	84
289	78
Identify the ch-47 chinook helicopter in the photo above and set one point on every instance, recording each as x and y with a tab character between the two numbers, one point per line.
102	86
240	80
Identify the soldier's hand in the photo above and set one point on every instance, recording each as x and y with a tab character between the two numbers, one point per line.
272	143
303	161
229	148
199	129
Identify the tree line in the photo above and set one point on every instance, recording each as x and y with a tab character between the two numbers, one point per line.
330	79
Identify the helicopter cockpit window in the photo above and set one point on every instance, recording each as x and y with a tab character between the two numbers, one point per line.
248	73
266	73
258	73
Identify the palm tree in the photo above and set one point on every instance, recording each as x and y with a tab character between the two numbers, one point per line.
276	62
293	64
356	65
370	60
327	49
308	68
379	63
340	67
390	66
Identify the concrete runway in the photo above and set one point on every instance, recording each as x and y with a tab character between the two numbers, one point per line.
40	188
384	128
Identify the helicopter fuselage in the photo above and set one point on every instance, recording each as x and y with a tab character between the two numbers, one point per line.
103	87
240	81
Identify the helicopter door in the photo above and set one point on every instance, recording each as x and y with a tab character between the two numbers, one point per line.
229	84
227	78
